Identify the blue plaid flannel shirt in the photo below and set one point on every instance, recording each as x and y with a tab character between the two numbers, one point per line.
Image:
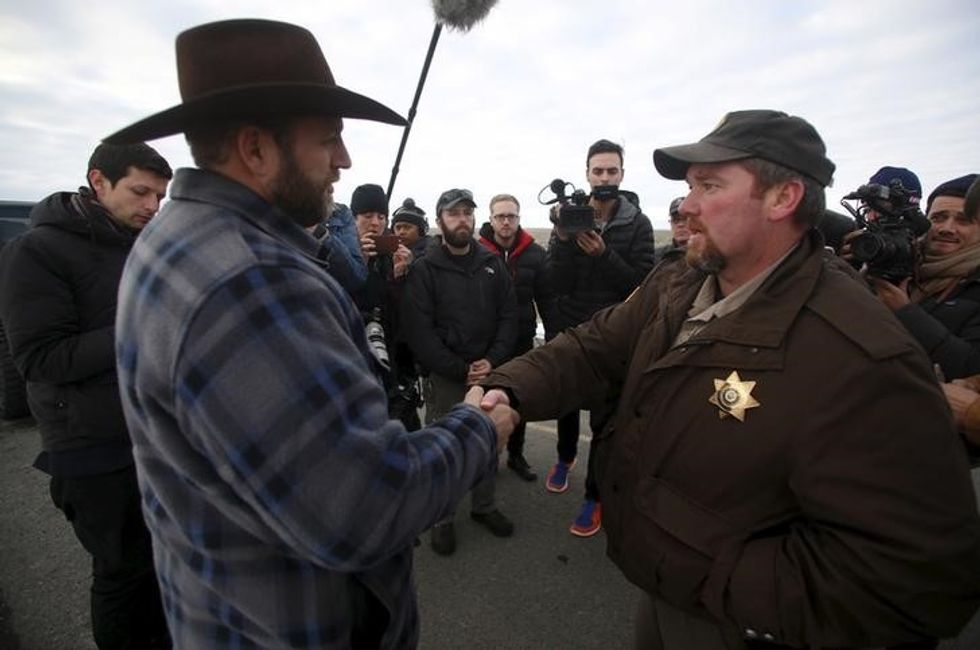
282	501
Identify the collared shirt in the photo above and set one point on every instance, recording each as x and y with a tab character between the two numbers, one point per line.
707	306
282	501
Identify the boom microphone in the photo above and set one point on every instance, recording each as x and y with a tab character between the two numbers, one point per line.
461	14
455	14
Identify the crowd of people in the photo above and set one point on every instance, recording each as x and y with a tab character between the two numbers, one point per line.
252	405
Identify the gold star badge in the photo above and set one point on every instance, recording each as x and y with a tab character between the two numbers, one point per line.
733	396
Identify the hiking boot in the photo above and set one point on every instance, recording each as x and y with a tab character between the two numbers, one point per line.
443	538
518	464
589	520
495	520
557	480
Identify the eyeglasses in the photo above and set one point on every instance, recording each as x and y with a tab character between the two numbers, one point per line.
678	219
506	217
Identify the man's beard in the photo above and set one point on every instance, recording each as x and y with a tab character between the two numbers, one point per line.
301	199
458	238
707	258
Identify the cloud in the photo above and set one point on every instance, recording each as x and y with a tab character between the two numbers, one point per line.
516	101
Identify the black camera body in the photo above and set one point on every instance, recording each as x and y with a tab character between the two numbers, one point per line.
575	215
892	222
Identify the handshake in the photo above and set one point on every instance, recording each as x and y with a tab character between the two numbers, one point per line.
496	405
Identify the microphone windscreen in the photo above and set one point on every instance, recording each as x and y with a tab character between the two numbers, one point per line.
461	14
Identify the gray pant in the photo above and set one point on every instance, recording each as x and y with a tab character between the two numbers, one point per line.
441	395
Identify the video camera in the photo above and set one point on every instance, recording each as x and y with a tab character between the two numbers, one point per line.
575	215
892	221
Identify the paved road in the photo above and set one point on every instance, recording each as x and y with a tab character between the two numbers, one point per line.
542	588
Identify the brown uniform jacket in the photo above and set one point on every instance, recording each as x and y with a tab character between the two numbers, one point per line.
838	513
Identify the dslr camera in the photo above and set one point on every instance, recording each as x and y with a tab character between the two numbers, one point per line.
575	215
892	222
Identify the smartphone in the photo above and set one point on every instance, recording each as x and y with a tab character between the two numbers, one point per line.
386	244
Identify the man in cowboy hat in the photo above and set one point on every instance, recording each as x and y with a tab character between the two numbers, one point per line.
755	485
282	501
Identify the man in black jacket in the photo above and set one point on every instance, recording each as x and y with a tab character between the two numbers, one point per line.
591	271
503	236
940	305
460	317
58	284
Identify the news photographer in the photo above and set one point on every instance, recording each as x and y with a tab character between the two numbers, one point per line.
926	271
378	301
600	250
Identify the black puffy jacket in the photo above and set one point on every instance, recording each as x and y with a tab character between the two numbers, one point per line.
58	285
456	311
586	284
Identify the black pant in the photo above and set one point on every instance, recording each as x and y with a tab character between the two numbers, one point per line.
568	432
105	512
515	444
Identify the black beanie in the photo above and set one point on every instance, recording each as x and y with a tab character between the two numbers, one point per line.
411	213
956	187
369	198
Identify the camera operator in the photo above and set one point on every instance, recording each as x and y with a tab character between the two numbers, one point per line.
378	301
940	302
590	271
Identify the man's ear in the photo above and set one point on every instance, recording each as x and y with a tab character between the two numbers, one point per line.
781	200
99	183
258	151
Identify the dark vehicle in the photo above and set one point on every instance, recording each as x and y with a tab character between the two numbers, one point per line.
13	392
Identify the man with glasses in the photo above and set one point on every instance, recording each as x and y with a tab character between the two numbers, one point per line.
503	236
460	318
678	233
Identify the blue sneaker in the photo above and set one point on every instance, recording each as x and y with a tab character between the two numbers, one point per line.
557	480
589	520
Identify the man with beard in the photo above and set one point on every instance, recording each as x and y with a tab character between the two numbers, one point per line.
460	316
58	286
282	500
940	304
781	469
503	236
591	271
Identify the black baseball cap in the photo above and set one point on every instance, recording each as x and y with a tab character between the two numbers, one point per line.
451	198
784	139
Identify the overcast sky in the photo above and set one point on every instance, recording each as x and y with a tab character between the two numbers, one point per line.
516	102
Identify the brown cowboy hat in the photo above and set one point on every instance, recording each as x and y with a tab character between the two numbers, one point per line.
241	69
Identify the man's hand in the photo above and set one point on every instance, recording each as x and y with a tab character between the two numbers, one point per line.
478	370
591	243
894	297
845	249
402	259
496	405
367	246
553	217
960	398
